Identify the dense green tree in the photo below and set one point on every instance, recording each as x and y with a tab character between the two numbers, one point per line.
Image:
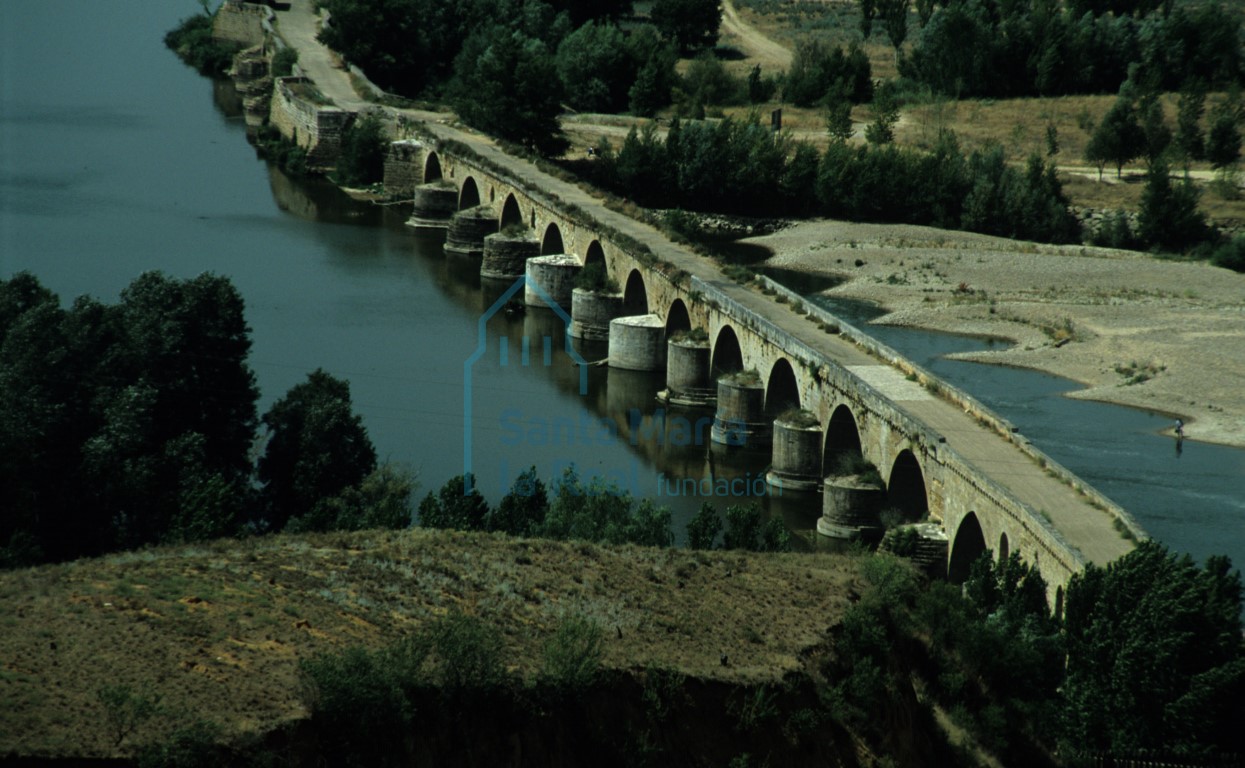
363	149
1118	139
595	68
381	500
743	527
317	448
1223	140
522	510
1155	656
506	83
1168	217
1190	140
708	83
885	117
454	506
894	15
819	72
1158	137
649	525
691	24
655	76
703	528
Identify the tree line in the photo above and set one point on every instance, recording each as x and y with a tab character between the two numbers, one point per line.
136	423
741	166
507	66
1003	49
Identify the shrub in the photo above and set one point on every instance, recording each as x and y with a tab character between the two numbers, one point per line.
573	654
702	530
283	62
453	507
1231	255
743	527
192	41
362	159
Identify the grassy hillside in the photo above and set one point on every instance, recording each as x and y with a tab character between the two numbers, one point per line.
217	632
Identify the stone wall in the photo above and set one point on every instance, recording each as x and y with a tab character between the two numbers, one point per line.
315	127
241	23
404	168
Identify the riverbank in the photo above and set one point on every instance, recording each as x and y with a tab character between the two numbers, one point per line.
1148	333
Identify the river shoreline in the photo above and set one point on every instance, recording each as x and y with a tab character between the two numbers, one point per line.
1157	335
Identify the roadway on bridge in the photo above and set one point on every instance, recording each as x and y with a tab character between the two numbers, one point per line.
1084	526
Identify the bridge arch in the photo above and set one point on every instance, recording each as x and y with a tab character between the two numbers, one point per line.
842	441
595	255
726	357
469	195
635	295
511	216
432	168
969	545
677	318
906	489
1003	548
782	391
551	243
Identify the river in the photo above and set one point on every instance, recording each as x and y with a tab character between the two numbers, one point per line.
115	158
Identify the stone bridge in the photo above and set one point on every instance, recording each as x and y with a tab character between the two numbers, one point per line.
825	399
820	394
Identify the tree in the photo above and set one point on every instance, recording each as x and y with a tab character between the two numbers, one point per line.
363	149
506	84
317	448
839	120
522	510
655	76
1158	137
595	68
454	508
885	116
1169	217
1118	138
691	24
382	500
1155	656
1189	138
1223	141
743	527
894	15
703	529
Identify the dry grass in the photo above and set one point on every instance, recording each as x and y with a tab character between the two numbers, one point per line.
218	630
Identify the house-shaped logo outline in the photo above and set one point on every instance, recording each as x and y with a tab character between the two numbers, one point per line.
482	347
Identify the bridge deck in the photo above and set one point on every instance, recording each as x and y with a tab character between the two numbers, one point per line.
1084	526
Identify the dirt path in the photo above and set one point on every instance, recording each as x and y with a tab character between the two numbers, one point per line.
751	41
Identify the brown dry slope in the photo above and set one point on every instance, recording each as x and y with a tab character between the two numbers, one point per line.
218	630
1162	335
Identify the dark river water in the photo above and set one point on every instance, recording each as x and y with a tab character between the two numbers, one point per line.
115	159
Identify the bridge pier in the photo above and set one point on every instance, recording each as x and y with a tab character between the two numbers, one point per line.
506	255
435	203
850	509
636	343
797	453
467	230
556	277
592	312
740	419
687	374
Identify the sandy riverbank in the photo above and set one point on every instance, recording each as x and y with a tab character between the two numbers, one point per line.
1160	335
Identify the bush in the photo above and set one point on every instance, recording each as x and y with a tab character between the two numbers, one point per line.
573	654
283	62
453	507
363	148
743	527
702	530
1231	255
192	41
